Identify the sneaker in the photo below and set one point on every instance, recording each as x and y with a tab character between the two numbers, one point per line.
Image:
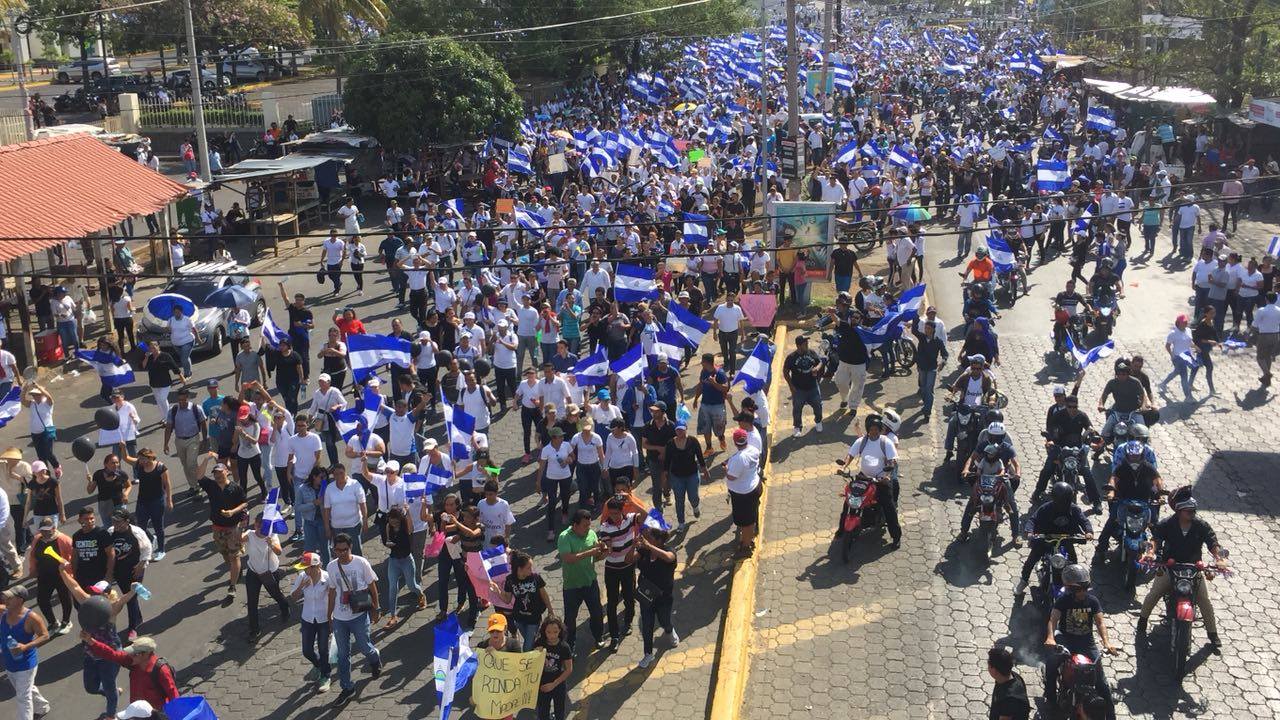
601	643
343	697
313	676
375	669
677	527
64	628
697	511
797	432
844	405
1022	587
1215	645
324	685
818	427
157	556
613	646
647	660
294	539
674	638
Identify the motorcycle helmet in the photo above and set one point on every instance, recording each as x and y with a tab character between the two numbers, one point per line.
1133	447
1181	499
1121	361
991	450
994	416
1075	574
980	252
1109	263
996	429
1139	432
1121	429
1062	495
892	421
978	359
844	298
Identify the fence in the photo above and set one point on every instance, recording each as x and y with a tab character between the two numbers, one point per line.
12	130
233	111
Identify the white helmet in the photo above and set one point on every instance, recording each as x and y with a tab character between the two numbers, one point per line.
891	420
996	428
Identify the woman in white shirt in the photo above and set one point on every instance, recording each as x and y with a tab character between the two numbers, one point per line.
357	252
262	558
248	451
122	319
1247	296
311	586
183	336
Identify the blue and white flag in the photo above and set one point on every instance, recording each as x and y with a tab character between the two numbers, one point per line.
518	161
598	161
1093	354
887	329
530	222
633	283
1101	118
367	353
1001	254
455	662
350	423
655	520
695	229
495	562
455	205
1234	343
112	369
754	373
460	426
669	344
272	518
911	300
871	151
1053	135
1190	358
630	366
688	325
10	405
272	333
841	77
593	369
1273	249
1052	175
371	406
1033	66
902	158
848	153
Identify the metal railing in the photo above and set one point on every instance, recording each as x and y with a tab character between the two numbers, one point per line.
229	111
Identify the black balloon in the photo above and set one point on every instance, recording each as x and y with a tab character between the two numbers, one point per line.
83	449
95	612
107	418
482	368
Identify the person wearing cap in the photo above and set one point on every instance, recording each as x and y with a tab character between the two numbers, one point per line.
21	632
65	310
44	497
655	435
262	558
684	465
133	551
47	542
498	639
188	422
150	677
227	505
742	477
311	588
1187	222
44	432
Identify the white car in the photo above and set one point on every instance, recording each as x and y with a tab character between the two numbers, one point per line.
73	71
246	69
194	281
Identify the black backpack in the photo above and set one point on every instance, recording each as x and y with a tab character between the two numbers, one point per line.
162	664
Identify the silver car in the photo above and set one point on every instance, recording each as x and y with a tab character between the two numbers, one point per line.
195	281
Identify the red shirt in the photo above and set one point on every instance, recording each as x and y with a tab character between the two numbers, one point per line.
349	327
142	677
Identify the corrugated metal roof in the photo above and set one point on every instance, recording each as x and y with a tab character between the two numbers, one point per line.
66	187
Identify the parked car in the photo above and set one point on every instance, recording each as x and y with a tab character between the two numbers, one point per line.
251	69
123	83
73	71
195	282
179	79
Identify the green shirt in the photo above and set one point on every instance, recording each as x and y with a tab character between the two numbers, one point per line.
583	572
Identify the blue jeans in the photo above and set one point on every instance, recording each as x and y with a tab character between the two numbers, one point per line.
343	630
152	512
529	632
70	338
354	532
800	398
400	570
683	486
315	646
843	283
927	380
288	395
100	679
1184	242
574	597
184	357
588	484
43	444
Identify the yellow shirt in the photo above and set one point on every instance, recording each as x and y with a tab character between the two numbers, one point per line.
786	259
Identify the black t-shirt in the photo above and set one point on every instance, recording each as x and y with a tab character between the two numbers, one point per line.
662	574
90	547
799	368
1068	301
127	554
1067	428
842	261
1126	394
44	496
660	436
223	498
289	369
150	486
1135	484
300	335
1009	700
1183	547
1076	616
850	348
160	370
527	609
557	656
111	485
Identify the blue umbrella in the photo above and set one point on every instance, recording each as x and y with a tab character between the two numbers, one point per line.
162	305
230	296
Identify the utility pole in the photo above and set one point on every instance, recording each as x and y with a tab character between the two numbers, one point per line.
197	106
840	19
793	100
828	45
106	66
20	59
762	187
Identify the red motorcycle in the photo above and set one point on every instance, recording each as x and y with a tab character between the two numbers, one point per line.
860	510
1180	603
1078	696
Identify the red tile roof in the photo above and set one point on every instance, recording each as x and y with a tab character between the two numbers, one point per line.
69	186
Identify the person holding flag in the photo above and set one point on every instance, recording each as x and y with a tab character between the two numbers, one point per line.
262	559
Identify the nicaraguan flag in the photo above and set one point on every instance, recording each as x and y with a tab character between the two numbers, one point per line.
666	208
754	373
953	68
461	426
10	405
529	222
1052	175
669	156
1034	66
1016	62
685	323
1093	354
670	344
633	283
455	205
367	353
902	158
1001	254
695	229
871	151
884	331
1190	358
494	560
1052	135
912	299
841	77
630	366
593	369
415	486
629	139
272	518
655	520
848	153
1234	343
455	662
1273	249
272	333
112	368
350	422
527	130
371	406
736	109
518	161
598	161
1101	118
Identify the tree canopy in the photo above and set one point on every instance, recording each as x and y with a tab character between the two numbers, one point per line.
410	91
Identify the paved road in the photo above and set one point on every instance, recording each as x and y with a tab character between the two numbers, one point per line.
903	634
207	639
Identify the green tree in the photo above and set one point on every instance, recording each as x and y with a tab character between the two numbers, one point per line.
343	19
220	26
409	94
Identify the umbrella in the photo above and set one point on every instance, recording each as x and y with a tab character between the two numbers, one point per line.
162	305
685	107
911	213
562	134
230	296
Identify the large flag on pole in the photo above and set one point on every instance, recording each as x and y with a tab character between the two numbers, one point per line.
633	283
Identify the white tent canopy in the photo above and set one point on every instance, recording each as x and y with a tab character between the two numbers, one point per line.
1168	95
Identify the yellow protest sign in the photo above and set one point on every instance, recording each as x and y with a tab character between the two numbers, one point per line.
506	682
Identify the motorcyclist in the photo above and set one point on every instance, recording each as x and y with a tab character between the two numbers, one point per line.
1076	614
978	303
975	387
1060	399
1067	428
1181	538
883	454
1137	432
1134	480
1105	285
991	464
981	267
1066	306
1059	516
1128	396
996	436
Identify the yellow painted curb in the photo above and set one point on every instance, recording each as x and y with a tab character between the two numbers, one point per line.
733	652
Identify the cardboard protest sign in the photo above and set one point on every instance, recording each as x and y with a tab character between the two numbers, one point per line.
506	683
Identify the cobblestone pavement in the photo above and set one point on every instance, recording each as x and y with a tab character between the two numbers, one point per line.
903	634
207	641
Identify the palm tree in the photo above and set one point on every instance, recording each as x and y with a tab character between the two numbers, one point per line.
340	19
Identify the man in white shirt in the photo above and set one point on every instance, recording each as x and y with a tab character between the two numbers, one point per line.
727	323
333	252
348	574
495	513
1187	221
552	390
527	331
966	215
1179	345
1266	323
742	477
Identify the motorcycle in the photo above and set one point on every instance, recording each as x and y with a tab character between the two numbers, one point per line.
1067	326
1103	318
1007	281
861	234
1068	468
990	492
968	426
1120	422
860	510
1048	587
1078	696
1180	606
1133	518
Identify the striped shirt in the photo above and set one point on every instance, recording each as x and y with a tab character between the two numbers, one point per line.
619	538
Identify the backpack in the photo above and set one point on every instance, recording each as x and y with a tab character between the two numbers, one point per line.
156	670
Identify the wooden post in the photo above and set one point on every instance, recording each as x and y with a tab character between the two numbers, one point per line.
103	264
24	311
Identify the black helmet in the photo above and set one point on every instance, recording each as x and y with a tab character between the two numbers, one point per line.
844	297
1062	494
873	419
1075	574
1181	499
994	416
